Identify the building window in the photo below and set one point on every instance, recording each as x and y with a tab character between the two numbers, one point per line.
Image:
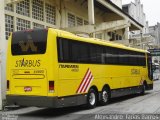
9	7
120	37
113	36
71	20
79	21
37	10
37	26
110	34
75	21
86	22
9	25
99	35
23	8
50	14
117	37
23	24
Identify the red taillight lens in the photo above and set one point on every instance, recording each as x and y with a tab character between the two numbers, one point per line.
7	84
51	86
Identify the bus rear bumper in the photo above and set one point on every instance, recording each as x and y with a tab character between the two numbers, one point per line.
50	102
32	101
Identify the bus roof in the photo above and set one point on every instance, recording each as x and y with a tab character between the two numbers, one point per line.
66	34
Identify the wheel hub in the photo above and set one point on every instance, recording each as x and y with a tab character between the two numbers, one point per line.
105	96
92	99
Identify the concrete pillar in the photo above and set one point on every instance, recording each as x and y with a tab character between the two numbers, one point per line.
63	14
1	106
91	17
3	54
58	13
141	37
30	12
126	33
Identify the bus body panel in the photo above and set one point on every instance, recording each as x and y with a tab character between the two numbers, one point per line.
115	76
30	74
30	86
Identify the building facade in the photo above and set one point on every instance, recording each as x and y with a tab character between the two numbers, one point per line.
67	15
135	10
141	38
102	19
118	3
155	31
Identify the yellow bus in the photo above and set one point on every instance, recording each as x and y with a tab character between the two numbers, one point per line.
54	68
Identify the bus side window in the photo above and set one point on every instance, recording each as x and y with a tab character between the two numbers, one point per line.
108	54
63	50
135	58
75	50
84	53
93	53
99	54
126	56
115	56
112	55
79	52
121	57
144	59
130	58
60	49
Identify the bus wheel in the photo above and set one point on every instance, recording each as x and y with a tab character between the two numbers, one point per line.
91	98
105	96
143	89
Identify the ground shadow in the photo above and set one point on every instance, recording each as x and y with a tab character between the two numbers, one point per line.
50	112
123	98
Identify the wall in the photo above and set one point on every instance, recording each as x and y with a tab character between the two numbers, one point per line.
135	10
155	31
57	14
118	3
3	47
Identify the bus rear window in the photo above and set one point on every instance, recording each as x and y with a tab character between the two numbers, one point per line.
29	42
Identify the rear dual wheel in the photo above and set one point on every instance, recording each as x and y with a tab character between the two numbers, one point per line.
105	96
92	98
143	89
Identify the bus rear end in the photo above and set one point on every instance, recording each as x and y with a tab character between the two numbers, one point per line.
29	66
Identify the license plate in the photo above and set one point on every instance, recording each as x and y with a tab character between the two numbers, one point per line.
27	89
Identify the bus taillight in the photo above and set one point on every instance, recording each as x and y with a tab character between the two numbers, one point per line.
7	84
51	86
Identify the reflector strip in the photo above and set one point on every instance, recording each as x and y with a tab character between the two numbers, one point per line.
85	83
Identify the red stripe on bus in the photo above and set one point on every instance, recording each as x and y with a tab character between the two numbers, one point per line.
82	81
85	81
88	83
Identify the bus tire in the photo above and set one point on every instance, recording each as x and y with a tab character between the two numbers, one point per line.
105	96
91	98
143	89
